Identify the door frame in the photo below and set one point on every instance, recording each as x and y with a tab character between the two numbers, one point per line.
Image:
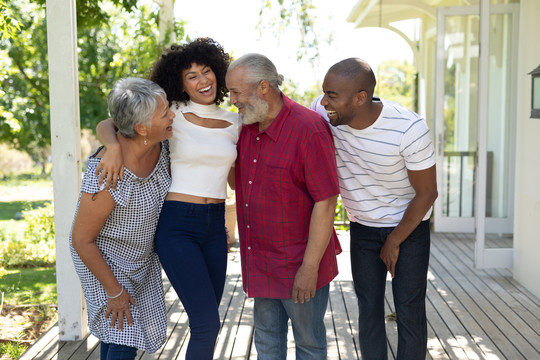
484	257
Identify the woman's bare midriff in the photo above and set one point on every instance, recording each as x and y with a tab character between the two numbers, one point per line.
173	196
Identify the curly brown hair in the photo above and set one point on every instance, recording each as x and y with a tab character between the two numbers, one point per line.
167	70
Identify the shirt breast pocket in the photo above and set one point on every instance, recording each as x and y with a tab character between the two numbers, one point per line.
279	182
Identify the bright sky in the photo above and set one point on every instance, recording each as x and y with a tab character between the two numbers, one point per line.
233	24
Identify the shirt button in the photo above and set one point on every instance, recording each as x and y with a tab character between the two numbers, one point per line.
254	160
250	182
249	247
258	138
246	205
248	226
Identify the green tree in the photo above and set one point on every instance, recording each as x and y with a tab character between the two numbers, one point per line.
299	14
24	84
126	45
303	98
396	82
449	107
9	25
94	13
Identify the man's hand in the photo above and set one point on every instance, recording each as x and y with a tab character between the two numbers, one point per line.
305	284
390	254
111	167
424	184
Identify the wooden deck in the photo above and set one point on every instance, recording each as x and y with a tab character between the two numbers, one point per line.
472	314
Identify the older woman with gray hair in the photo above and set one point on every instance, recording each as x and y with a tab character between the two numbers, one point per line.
112	238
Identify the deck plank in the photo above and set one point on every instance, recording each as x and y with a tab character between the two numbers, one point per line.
48	339
472	314
516	329
481	302
232	309
341	324
351	304
86	348
447	326
468	303
243	343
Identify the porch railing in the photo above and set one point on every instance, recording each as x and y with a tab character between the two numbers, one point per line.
459	183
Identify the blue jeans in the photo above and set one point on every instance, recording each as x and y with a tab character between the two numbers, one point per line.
409	289
117	352
307	319
192	246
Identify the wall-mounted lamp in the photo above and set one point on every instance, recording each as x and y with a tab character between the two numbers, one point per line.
535	103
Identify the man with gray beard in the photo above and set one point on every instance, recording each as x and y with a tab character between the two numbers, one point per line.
286	191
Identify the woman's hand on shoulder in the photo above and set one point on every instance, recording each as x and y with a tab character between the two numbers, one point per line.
111	166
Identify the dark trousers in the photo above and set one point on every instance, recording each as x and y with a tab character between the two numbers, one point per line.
192	246
117	352
408	286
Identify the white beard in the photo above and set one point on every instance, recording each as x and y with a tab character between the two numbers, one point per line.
255	112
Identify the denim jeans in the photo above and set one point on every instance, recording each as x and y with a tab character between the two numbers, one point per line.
307	319
117	352
192	246
408	286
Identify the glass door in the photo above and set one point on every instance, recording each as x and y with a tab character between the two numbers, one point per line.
475	128
457	117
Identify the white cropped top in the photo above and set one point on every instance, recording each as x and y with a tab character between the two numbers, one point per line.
201	157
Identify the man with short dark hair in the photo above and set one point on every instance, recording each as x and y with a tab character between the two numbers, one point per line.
386	170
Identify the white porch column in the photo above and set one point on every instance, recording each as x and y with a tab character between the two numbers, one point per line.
66	159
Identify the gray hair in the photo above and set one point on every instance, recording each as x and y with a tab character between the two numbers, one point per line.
259	68
133	101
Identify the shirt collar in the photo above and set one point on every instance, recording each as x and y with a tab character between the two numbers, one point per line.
275	127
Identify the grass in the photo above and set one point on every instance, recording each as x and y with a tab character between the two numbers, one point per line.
25	187
23	323
29	286
12	350
9	210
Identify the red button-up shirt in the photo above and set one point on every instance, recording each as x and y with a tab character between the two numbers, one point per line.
280	173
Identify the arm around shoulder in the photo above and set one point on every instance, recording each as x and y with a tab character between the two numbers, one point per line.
111	166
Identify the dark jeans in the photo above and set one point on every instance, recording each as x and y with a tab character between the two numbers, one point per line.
117	352
408	286
192	247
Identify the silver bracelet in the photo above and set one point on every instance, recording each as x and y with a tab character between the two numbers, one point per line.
115	296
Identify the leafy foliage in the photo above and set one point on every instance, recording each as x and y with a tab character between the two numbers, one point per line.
93	13
126	44
341	220
24	90
305	98
9	24
12	350
396	82
35	246
40	224
299	14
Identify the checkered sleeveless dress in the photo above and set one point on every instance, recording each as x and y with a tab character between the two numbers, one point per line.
127	244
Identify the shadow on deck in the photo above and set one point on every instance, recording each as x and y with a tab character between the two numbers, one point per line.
472	314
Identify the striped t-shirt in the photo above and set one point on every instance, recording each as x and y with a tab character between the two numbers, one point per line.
372	164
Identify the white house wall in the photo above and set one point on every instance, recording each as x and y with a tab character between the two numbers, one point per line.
527	193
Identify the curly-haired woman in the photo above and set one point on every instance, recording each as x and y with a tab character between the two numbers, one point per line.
190	237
